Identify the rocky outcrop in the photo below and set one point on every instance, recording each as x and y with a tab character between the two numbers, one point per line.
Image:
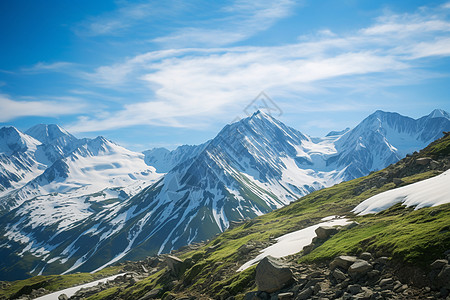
351	277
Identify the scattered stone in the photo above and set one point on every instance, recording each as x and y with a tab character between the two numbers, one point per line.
324	232
272	274
367	256
359	268
305	294
314	275
354	289
382	260
373	274
386	281
365	294
339	275
343	261
285	296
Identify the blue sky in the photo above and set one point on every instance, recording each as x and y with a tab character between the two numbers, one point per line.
165	73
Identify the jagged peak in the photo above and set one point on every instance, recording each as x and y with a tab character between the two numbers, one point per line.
439	113
48	133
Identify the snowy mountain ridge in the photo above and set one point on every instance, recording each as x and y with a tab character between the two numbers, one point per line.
96	203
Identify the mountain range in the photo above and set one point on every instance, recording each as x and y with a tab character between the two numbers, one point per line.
71	204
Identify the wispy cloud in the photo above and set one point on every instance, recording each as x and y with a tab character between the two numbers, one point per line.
242	19
188	86
42	67
12	109
127	16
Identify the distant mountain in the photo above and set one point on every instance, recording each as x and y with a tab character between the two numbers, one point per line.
100	203
384	138
164	160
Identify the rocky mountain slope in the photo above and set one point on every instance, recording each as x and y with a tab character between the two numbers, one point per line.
400	252
97	205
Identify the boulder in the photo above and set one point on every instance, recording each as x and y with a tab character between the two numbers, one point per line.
359	268
324	232
343	261
272	275
174	263
63	297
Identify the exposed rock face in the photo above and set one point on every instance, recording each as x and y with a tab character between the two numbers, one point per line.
272	275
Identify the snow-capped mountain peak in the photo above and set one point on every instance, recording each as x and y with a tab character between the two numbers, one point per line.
49	134
439	113
13	141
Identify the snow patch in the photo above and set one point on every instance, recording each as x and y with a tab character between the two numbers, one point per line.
293	242
430	192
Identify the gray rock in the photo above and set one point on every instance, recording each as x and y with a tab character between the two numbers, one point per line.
324	232
382	260
359	268
174	263
308	248
305	294
365	294
386	281
339	275
272	275
354	289
285	296
151	295
373	274
366	256
343	261
63	297
439	264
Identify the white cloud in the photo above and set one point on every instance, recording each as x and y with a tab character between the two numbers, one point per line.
125	17
42	67
245	18
12	109
187	86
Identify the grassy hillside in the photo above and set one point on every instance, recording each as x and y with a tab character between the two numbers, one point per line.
409	236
